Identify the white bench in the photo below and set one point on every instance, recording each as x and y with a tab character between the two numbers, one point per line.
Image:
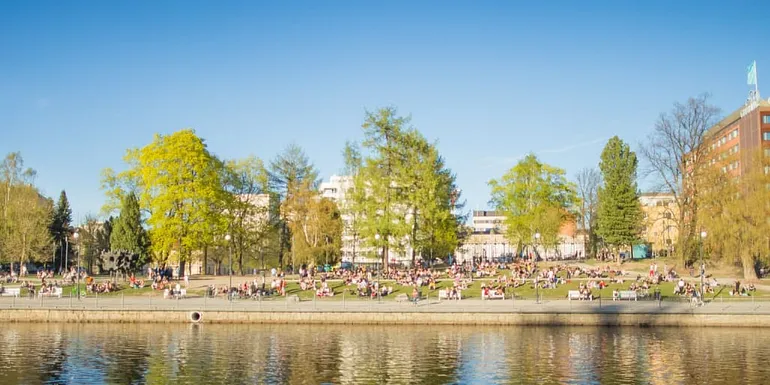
402	297
56	292
626	294
492	295
11	292
444	294
575	294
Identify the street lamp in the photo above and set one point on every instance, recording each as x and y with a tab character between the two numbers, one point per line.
379	273
702	266
230	269
66	253
537	278
77	268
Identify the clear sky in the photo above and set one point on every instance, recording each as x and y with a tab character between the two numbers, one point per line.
82	81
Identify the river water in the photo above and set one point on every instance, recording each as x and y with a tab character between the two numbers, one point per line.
282	354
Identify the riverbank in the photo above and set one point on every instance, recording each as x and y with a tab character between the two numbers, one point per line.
466	312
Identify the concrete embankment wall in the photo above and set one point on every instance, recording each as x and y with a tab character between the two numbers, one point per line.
416	318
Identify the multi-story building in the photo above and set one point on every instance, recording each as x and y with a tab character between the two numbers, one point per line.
487	241
732	142
660	213
336	189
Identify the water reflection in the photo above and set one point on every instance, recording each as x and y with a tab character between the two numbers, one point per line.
232	354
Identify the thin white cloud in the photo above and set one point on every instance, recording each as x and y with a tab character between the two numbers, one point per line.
572	146
493	161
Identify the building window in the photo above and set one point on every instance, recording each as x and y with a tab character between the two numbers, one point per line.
766	136
767	152
766	119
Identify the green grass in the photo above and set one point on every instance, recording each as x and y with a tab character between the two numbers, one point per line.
526	291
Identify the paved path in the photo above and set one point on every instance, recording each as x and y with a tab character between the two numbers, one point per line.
732	306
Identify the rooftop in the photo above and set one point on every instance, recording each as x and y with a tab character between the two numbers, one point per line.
733	117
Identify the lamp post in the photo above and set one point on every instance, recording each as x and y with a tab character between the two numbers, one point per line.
702	266
66	253
379	273
77	268
230	268
537	278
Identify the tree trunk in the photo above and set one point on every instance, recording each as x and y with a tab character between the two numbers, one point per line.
749	273
385	257
181	267
240	262
205	259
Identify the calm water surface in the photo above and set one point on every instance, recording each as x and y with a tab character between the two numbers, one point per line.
238	354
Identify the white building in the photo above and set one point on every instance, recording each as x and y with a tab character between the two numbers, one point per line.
353	250
487	241
483	221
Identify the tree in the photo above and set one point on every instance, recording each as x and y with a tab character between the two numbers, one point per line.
619	212
353	161
288	173
316	228
675	156
61	225
588	182
28	216
12	174
535	198
430	196
128	234
734	213
378	194
178	184
249	207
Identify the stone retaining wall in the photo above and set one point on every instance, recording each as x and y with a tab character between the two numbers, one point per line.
416	318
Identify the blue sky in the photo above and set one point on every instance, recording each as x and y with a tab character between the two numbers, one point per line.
82	81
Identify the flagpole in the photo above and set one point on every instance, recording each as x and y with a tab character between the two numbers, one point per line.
756	81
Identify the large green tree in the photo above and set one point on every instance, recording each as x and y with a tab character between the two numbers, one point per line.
379	195
28	216
403	191
12	174
619	212
179	185
289	173
535	198
61	224
128	233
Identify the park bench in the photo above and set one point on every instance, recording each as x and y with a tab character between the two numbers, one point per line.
56	292
402	297
11	292
627	294
492	295
575	294
444	294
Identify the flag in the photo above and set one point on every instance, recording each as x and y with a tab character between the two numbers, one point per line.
751	73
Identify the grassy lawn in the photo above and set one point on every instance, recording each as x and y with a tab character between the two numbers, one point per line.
526	291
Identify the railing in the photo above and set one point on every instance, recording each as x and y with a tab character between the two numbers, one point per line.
345	302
